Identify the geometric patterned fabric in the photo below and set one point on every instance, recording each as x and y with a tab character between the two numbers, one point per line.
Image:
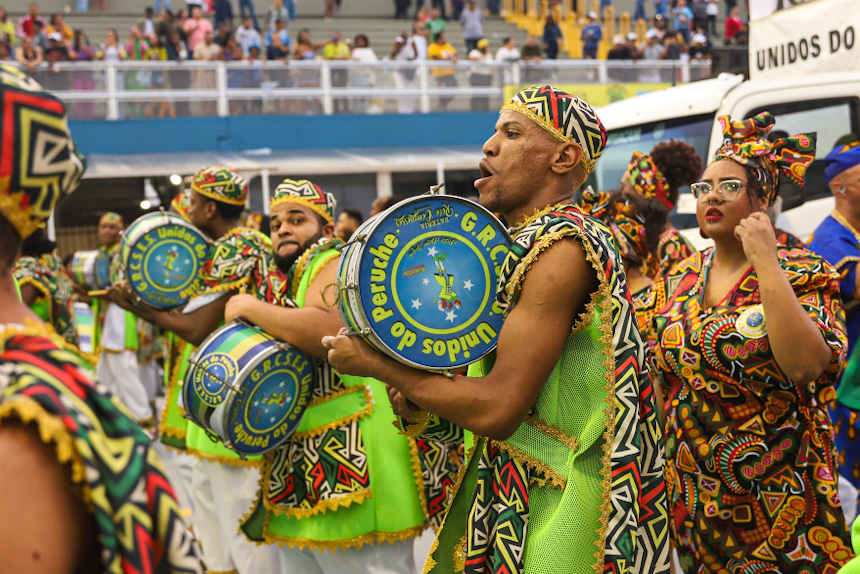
565	117
54	293
647	179
40	163
308	194
114	467
221	184
750	463
579	485
672	248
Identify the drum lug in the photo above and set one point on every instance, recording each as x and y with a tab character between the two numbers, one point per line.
436	189
363	333
360	238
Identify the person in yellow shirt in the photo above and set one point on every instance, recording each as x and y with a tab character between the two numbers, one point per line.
337	49
440	49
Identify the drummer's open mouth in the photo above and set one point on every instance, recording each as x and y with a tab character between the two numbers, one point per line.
486	172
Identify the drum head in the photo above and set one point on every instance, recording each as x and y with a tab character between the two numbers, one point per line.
275	392
163	260
427	280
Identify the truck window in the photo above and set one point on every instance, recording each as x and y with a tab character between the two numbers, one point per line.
832	119
622	142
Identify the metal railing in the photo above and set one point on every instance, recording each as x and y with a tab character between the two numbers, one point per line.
100	90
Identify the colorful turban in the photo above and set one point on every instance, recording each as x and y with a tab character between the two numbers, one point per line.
627	226
745	141
308	194
647	179
841	158
181	203
221	184
566	117
41	163
111	217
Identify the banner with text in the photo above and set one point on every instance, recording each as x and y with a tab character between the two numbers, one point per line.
763	8
819	36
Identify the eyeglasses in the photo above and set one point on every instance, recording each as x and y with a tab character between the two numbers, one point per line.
728	189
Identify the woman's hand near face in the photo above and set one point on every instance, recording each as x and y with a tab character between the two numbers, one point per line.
755	232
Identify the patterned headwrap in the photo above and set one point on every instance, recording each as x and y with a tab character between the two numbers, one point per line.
745	141
111	217
308	194
627	226
41	163
566	117
647	179
841	158
221	184
181	203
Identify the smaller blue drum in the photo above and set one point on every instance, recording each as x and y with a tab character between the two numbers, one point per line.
247	389
162	255
418	281
91	269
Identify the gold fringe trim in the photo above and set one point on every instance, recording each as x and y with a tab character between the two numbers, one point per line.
24	220
41	289
215	196
367	410
325	261
846	260
222	459
551	430
323	506
844	223
419	477
551	476
300	266
538	213
460	555
221	287
419	427
222	572
587	162
344	544
51	431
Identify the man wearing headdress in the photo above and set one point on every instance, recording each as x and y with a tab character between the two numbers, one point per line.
370	500
566	474
66	505
837	239
239	261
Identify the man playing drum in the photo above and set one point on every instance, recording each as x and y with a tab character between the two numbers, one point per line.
223	485
346	480
81	489
567	470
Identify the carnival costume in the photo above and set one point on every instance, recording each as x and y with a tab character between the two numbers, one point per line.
579	485
239	262
113	467
54	293
839	243
649	182
750	467
345	478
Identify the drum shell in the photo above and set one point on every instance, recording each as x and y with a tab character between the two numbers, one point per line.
91	269
260	364
162	255
355	292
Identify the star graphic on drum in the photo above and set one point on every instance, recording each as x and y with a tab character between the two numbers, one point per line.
425	281
432	252
416	304
450	316
468	285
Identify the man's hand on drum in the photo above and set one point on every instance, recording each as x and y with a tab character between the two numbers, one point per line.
402	406
243	306
351	355
120	293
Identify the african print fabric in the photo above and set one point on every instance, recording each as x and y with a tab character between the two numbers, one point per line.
750	460
41	163
113	465
647	179
579	485
565	117
240	260
55	294
221	184
672	248
345	478
308	194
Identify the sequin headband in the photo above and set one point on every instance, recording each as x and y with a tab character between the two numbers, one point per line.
41	164
566	117
745	141
308	194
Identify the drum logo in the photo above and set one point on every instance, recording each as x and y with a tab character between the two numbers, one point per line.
164	263
212	376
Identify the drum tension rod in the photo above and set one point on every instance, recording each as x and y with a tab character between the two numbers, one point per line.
363	333
360	238
196	365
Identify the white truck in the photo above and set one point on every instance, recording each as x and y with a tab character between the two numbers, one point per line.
828	104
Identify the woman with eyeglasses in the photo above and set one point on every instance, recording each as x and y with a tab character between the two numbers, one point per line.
748	339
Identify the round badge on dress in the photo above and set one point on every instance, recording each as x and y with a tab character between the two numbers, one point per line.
751	323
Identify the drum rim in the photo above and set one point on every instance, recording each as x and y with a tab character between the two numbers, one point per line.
353	295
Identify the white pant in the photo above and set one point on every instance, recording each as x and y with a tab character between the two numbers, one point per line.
178	465
223	495
406	104
379	558
118	371
149	379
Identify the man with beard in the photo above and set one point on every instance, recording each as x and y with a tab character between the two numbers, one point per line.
567	470
240	261
346	480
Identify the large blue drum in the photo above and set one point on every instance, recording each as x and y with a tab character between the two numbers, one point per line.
247	389
91	269
162	255
418	281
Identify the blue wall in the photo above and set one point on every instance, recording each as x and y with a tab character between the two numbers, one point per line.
282	132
